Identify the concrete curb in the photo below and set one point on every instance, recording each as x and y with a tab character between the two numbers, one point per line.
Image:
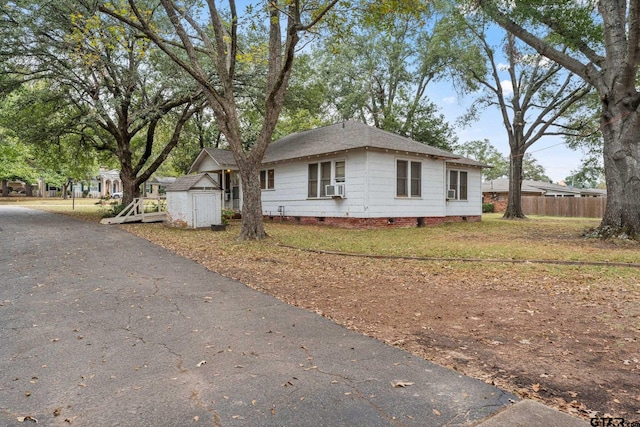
528	413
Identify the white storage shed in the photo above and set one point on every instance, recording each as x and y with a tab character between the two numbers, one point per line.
194	201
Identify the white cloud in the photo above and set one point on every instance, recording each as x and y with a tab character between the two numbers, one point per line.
449	100
507	87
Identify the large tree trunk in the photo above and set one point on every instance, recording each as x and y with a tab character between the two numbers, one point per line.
514	203
621	130
252	224
130	187
5	188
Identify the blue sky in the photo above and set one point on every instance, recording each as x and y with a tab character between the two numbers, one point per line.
550	152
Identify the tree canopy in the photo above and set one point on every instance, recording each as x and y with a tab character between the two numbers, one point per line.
602	42
202	40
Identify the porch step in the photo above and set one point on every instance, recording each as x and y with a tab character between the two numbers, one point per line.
135	212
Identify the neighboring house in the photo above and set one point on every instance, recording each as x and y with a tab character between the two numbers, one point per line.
355	175
109	182
157	186
105	184
593	192
497	191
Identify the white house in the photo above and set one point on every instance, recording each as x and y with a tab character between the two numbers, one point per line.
194	201
352	174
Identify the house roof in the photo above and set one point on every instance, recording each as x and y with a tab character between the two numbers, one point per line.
223	158
501	185
167	180
337	138
188	182
109	173
342	137
593	192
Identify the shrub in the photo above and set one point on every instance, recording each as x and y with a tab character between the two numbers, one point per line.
115	209
488	208
227	214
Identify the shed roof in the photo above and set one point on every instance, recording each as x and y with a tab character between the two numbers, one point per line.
188	182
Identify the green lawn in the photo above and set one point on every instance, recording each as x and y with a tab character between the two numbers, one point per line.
547	238
537	238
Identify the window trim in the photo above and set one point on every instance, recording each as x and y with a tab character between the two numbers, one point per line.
320	182
411	191
268	181
459	184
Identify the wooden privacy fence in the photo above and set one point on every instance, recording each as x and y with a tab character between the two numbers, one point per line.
586	207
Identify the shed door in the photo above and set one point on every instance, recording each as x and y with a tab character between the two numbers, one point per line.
206	209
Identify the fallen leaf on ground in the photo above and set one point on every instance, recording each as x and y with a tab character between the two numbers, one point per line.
401	384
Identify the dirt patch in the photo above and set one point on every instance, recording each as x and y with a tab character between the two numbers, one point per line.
568	338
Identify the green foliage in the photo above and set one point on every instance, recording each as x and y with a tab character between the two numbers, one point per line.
98	90
589	175
111	209
488	208
380	72
54	147
483	152
16	161
227	215
532	170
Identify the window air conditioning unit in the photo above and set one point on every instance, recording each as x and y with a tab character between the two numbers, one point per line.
451	194
336	190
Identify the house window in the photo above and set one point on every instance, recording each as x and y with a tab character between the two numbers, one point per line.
458	183
339	171
408	178
323	174
267	179
325	177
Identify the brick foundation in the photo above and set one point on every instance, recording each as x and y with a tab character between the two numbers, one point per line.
388	222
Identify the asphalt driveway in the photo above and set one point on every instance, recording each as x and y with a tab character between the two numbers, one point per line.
101	328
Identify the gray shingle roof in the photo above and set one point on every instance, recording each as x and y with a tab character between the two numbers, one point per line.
223	157
345	136
185	183
167	180
501	185
338	138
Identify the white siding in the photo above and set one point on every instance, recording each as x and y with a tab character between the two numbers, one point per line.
473	204
291	189
194	208
179	212
370	188
207	165
383	201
